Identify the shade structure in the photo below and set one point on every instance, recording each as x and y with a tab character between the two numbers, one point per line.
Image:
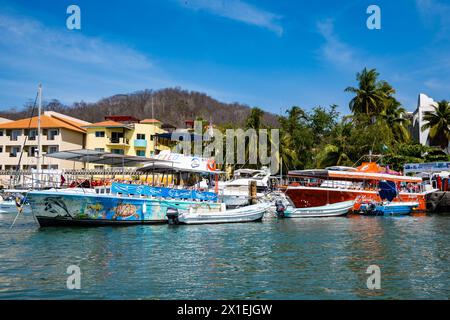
98	157
171	166
351	176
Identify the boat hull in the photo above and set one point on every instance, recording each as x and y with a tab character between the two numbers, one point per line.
304	197
252	213
331	210
392	209
62	208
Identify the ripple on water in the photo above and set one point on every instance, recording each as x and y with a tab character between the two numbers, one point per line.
275	259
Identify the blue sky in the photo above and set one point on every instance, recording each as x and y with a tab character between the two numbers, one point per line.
271	54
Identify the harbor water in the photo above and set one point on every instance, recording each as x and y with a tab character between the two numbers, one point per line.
273	259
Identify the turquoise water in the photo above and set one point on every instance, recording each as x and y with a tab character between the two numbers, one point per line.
274	259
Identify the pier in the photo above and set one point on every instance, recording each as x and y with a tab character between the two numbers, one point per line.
438	201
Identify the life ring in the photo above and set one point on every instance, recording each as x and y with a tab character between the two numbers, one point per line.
211	165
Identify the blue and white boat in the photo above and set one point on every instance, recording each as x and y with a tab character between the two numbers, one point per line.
388	208
126	204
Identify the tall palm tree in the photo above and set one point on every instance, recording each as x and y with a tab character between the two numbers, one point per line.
393	117
438	121
337	153
370	94
254	120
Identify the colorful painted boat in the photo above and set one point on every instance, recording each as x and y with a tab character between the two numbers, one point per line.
388	208
250	213
127	204
329	210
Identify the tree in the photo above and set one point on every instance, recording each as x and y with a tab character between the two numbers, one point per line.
254	120
393	116
370	94
438	121
338	151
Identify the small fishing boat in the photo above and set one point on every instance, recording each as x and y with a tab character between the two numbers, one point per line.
387	208
329	210
202	215
11	200
387	190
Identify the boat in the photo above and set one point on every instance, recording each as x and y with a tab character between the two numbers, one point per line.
235	192
330	210
387	208
127	204
387	191
11	200
315	188
250	213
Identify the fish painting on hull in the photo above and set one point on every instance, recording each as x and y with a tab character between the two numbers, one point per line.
126	212
56	206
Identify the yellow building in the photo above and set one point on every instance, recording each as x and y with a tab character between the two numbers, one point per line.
125	135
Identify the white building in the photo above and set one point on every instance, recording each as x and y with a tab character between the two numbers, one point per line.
424	103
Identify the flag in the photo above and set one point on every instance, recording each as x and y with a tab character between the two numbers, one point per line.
63	180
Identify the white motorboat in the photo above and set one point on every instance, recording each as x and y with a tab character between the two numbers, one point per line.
234	193
8	200
329	210
194	215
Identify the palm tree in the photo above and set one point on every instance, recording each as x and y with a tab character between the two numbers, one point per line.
438	121
254	120
393	117
337	153
370	94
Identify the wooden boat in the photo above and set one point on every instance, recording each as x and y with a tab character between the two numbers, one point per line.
387	208
329	210
250	213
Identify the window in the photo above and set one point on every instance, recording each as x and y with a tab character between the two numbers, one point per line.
1	133
98	167
100	149
32	151
140	136
15	134
52	133
117	151
32	134
52	149
99	134
14	152
140	153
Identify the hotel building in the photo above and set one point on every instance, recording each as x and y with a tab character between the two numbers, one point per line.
19	145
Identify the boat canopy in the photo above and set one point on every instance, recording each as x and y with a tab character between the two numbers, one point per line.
131	189
351	175
98	157
176	162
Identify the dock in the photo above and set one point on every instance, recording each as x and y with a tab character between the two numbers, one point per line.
439	202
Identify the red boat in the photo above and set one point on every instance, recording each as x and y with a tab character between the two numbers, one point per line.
336	184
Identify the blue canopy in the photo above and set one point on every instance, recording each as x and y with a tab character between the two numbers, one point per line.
162	192
387	190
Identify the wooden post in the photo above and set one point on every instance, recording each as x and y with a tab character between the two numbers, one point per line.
252	192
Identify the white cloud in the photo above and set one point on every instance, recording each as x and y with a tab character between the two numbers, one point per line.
336	51
239	11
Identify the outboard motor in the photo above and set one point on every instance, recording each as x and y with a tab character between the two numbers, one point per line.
172	215
280	208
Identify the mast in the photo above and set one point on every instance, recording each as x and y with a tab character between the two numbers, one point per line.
38	161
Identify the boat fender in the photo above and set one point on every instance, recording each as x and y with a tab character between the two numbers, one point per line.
172	215
280	208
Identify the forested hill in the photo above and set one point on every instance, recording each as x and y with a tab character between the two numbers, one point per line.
172	106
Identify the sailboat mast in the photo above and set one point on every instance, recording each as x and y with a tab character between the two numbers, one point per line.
39	129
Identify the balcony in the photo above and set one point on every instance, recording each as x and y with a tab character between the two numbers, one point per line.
140	143
118	141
